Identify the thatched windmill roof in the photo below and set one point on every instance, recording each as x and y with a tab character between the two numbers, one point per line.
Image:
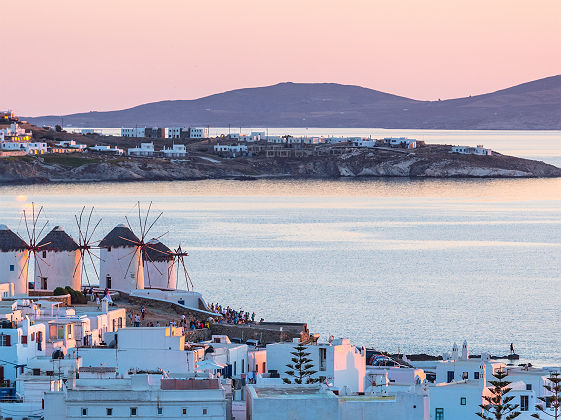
58	240
114	239
9	241
154	255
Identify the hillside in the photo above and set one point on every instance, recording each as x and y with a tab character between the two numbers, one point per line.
533	105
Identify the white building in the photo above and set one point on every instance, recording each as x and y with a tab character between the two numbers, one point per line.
364	143
107	149
233	355
31	148
174	132
159	267
401	142
145	149
176	151
14	260
59	262
133	132
198	133
467	150
146	349
337	362
121	265
71	144
140	396
314	402
231	150
20	340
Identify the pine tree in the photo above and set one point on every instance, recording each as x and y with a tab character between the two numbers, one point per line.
497	406
554	387
301	368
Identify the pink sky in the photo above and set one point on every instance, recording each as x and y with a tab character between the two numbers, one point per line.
73	56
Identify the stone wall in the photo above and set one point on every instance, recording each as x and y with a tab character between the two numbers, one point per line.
169	307
48	295
195	336
266	333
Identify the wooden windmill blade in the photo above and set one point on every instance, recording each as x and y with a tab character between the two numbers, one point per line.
31	243
85	243
179	260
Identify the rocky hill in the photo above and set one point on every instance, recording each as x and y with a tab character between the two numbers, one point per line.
434	161
533	105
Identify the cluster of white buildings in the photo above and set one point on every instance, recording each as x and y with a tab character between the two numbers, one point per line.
149	372
257	136
166	132
14	139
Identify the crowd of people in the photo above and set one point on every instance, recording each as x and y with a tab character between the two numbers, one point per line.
232	316
138	320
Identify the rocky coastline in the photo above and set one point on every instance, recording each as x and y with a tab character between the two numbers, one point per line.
434	161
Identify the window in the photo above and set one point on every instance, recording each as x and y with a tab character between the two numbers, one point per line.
5	340
109	411
235	367
108	282
133	411
69	330
322	358
109	249
524	403
44	254
84	411
184	411
463	401
264	367
528	387
23	339
205	411
475	375
439	414
120	323
243	365
12	267
450	376
160	411
465	375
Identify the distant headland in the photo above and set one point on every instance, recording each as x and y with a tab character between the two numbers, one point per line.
535	105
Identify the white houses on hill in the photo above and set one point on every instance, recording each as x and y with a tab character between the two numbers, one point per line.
59	262
14	260
121	265
159	266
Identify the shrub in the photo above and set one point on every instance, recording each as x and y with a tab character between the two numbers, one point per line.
76	297
59	291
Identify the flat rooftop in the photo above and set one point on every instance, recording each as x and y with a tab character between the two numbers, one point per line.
292	392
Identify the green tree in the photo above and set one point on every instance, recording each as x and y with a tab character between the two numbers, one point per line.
497	406
301	368
554	387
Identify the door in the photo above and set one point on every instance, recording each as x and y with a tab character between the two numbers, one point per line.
44	283
39	337
108	282
450	376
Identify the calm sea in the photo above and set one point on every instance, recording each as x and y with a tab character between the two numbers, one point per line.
394	264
